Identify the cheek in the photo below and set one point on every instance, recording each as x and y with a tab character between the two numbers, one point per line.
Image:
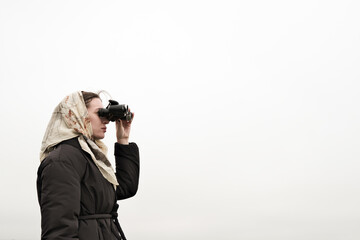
92	119
96	121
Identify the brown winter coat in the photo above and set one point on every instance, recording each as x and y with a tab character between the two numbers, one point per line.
71	190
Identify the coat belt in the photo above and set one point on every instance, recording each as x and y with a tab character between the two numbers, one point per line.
95	216
105	216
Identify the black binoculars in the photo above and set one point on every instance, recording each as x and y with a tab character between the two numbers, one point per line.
115	111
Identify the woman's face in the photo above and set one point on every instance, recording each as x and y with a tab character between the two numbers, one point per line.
98	124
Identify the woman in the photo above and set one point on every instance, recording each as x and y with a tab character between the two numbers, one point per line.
77	186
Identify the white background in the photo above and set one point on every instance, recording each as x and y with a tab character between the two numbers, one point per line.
246	112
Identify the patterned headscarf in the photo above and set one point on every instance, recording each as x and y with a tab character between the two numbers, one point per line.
69	120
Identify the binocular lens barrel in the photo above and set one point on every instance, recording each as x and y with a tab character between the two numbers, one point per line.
115	112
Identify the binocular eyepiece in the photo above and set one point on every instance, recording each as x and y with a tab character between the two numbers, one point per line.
115	111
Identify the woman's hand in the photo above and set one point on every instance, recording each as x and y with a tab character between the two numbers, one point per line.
123	130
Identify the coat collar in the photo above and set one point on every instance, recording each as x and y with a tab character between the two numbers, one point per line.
72	142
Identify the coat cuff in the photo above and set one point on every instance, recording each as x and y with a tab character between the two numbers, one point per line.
130	149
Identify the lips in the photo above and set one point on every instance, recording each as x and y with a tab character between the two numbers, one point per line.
104	129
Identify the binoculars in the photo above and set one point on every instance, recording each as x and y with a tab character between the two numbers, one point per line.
115	111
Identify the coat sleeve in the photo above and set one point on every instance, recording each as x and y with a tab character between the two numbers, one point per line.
127	170
59	199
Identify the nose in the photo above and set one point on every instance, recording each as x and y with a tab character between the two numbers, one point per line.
104	120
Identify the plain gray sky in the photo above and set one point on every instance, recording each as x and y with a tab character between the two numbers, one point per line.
246	112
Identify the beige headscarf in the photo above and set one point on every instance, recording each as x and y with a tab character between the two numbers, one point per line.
69	120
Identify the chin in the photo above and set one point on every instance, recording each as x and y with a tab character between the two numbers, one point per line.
98	137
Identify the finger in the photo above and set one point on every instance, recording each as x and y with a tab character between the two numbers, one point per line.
119	123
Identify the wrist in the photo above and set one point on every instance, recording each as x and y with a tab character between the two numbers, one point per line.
123	141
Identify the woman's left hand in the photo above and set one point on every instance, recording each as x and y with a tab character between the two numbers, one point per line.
123	130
